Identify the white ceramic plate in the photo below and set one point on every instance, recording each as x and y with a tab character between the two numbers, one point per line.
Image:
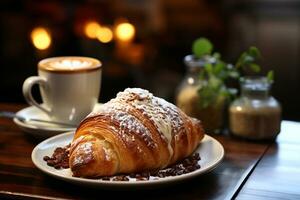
40	128
210	150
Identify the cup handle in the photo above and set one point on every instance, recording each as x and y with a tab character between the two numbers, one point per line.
27	91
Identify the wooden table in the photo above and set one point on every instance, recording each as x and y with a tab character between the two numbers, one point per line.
249	171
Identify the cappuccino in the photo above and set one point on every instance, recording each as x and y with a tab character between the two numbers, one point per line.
69	87
69	64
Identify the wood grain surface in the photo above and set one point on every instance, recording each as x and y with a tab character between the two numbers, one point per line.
20	179
277	175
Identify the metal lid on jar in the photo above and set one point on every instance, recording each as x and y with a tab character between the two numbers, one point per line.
192	62
255	83
255	86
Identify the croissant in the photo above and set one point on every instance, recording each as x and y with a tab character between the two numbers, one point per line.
134	132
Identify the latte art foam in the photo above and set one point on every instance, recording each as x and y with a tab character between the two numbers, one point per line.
69	64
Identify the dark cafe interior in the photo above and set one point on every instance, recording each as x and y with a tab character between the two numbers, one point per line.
164	32
211	85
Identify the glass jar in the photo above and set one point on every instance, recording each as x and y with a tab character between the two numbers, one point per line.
188	96
255	114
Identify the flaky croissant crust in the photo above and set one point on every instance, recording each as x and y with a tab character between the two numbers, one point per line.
134	132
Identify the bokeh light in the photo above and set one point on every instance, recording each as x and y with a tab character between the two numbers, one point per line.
91	28
125	31
40	38
104	34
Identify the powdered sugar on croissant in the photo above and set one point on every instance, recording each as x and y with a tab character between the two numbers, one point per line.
134	132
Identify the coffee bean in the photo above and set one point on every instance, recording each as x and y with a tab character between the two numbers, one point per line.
60	159
46	158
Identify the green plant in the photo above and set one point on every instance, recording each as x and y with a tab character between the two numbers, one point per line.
248	61
214	74
201	47
217	72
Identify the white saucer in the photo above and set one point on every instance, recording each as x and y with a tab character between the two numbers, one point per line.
210	151
40	128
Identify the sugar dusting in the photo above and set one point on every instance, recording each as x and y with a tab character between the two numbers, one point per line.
129	127
85	150
164	115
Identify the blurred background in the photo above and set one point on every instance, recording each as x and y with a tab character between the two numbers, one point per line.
142	42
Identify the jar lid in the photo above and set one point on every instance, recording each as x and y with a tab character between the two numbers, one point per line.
256	83
193	62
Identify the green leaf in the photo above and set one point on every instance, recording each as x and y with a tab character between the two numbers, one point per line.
254	67
207	96
270	76
225	93
217	55
209	68
214	82
201	47
241	60
254	52
219	67
248	59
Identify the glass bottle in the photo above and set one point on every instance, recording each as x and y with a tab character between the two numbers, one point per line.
188	96
255	114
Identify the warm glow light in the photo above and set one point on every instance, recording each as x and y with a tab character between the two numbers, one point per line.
191	80
40	38
125	31
104	34
239	108
91	29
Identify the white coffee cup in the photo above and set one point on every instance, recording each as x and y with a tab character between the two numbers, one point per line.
69	87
